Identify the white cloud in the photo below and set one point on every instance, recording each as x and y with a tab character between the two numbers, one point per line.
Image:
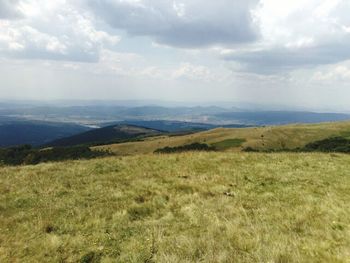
9	9
300	33
333	74
23	37
283	22
53	30
193	72
229	49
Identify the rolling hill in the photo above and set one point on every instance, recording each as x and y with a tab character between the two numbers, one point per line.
184	207
170	126
114	133
237	139
178	126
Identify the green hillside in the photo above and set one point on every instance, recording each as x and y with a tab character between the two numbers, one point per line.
219	206
189	207
237	139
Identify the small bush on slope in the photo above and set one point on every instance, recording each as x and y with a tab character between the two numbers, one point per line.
186	148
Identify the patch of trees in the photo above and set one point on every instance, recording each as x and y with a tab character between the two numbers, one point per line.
26	155
334	144
186	148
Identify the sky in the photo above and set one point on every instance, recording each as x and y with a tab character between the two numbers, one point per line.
294	53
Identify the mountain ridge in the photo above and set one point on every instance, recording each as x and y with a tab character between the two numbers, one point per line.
113	133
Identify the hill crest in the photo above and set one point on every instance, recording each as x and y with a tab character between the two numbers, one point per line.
113	133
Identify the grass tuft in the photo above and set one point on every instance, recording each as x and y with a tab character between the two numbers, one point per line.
49	228
139	212
91	257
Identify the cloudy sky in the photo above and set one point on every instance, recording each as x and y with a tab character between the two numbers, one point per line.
290	52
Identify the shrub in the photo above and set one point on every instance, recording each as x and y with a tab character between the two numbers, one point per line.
249	149
139	212
334	144
185	148
91	257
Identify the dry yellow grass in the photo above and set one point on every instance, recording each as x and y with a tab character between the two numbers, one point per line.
264	138
190	207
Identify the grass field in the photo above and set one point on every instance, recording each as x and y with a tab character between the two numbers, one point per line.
189	207
227	144
262	138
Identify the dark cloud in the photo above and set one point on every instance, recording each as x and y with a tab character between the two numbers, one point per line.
188	24
9	9
283	59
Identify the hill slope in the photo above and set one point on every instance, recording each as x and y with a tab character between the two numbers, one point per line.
16	132
170	126
104	135
178	126
193	207
260	138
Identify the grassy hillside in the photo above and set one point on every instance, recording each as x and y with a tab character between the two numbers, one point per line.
262	138
190	207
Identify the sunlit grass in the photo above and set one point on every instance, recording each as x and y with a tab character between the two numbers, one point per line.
190	207
262	138
229	143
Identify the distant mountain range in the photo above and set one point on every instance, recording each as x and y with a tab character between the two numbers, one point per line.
280	117
39	125
100	114
130	130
